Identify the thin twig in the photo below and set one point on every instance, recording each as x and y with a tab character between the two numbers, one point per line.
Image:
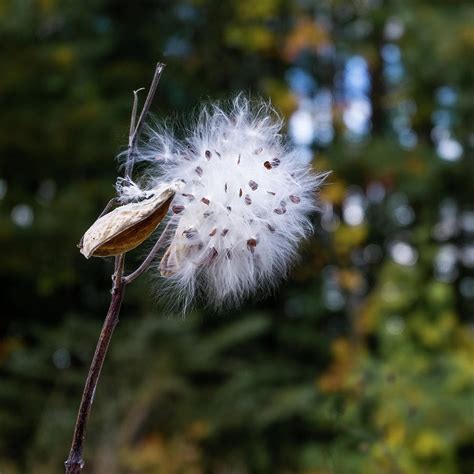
150	257
135	131
75	462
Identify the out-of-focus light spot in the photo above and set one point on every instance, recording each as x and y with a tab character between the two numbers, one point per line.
448	225
439	132
102	24
395	325
177	47
47	190
400	209
466	287
323	128
442	118
446	96
393	29
356	77
353	209
467	221
373	253
305	154
3	188
375	192
301	127
300	81
22	215
61	358
186	12
403	253
357	115
404	215
449	149
467	255
391	292
333	299
391	53
329	220
445	263
361	28
407	138
394	72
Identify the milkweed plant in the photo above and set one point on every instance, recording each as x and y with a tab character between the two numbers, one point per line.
234	200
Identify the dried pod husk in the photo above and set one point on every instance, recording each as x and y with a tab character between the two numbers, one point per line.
126	227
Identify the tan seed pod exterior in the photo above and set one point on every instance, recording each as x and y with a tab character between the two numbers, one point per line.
126	227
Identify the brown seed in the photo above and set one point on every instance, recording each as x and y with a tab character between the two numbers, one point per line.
190	233
251	244
208	154
229	208
205	201
225	187
198	170
272	193
258	151
240	192
253	185
211	256
224	232
268	165
177	209
213	232
248	200
280	210
271	228
275	162
294	199
238	161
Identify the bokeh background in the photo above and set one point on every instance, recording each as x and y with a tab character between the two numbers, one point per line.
363	362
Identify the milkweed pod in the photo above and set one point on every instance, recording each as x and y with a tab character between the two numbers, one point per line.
126	227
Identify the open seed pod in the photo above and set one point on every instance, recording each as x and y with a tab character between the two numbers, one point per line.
126	227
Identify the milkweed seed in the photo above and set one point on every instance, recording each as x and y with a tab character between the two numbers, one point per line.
295	199
177	209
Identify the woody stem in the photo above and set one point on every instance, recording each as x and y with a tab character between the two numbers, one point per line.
75	462
150	257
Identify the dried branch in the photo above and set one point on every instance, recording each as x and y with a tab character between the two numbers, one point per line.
75	462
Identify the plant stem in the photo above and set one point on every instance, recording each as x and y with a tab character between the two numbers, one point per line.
75	462
136	129
150	257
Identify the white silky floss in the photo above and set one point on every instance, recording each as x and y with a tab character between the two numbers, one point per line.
242	207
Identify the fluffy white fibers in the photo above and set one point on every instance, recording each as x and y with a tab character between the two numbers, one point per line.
242	207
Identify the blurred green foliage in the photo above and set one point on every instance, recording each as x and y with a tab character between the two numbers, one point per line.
363	361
